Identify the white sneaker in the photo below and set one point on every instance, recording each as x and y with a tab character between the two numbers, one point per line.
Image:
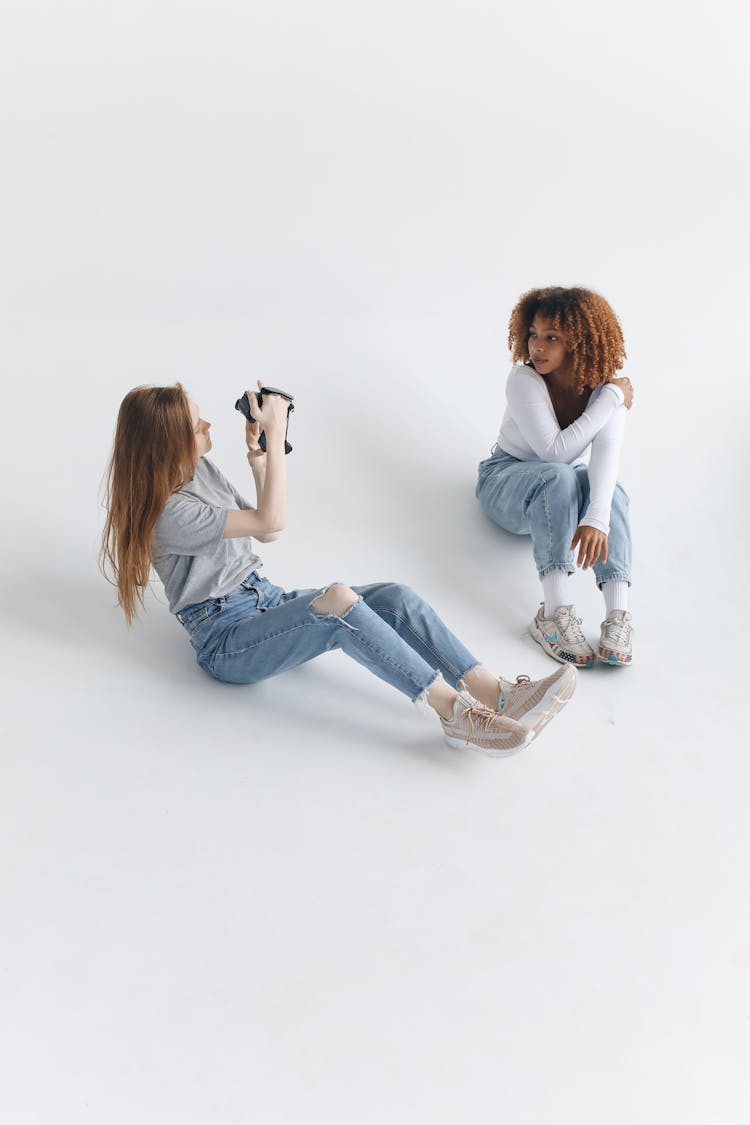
561	636
615	642
479	728
535	702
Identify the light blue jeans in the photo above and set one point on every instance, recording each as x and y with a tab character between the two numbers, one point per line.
546	500
259	630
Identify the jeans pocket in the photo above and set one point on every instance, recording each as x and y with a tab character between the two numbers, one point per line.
197	617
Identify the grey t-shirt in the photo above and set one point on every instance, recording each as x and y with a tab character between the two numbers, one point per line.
188	552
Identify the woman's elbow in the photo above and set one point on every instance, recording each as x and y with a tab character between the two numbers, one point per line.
271	531
554	457
268	536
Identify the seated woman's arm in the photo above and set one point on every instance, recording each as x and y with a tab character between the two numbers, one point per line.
592	533
602	469
532	411
269	472
258	467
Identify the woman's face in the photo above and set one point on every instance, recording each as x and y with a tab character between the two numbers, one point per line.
200	429
547	349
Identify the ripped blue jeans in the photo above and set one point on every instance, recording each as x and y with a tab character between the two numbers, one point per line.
259	630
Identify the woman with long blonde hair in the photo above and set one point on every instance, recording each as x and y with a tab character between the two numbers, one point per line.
169	506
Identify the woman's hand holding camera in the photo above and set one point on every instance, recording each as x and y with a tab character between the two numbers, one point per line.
270	417
252	437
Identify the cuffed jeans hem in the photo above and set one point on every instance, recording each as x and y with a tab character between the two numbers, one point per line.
567	567
617	576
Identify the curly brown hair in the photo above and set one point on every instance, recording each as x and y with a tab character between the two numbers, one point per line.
593	335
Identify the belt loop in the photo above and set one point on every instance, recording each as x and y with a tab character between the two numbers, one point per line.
248	581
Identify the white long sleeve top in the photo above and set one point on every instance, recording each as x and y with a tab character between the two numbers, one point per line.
530	431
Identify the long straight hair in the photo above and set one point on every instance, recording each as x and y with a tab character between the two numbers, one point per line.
153	456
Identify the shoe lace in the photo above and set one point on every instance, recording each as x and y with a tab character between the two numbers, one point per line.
572	631
618	630
481	717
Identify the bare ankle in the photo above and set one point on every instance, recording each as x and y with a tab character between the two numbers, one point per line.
483	686
441	697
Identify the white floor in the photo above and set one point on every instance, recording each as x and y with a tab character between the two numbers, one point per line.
293	903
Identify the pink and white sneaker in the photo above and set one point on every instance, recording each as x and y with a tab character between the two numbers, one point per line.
561	636
476	726
535	702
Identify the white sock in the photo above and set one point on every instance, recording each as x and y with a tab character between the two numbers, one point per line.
556	591
615	595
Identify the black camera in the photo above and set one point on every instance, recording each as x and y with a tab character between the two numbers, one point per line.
243	405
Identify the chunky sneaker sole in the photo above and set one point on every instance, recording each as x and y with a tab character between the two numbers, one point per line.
551	635
534	702
607	656
615	645
514	747
476	727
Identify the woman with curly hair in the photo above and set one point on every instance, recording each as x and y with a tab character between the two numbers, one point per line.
552	473
169	507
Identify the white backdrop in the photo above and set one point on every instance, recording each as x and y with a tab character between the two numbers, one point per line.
279	906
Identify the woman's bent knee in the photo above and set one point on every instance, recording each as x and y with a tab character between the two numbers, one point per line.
560	475
336	600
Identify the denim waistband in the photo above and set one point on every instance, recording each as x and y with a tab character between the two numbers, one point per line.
188	612
252	579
